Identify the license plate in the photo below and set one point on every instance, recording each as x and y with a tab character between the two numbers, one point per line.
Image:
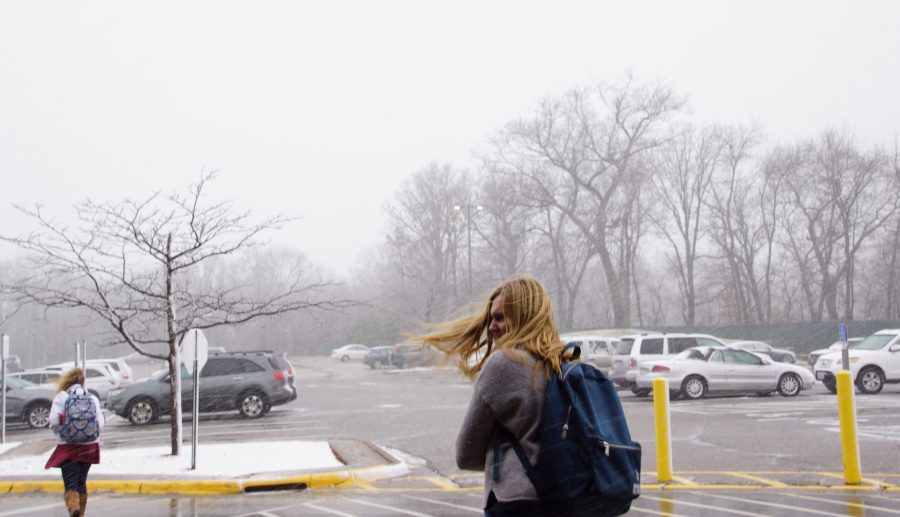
820	376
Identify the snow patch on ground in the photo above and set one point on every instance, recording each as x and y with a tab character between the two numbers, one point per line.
213	460
8	445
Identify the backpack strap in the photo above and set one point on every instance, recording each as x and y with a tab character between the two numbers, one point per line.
504	434
576	351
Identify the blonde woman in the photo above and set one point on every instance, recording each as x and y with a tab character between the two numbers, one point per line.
74	459
517	321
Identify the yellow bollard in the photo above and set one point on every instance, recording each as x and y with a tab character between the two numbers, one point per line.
663	436
849	438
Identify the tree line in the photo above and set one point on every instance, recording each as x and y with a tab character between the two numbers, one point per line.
635	215
632	214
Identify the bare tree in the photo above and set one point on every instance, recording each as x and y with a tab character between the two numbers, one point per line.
838	197
682	179
135	265
425	237
579	150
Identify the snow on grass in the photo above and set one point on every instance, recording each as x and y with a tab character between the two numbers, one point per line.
213	460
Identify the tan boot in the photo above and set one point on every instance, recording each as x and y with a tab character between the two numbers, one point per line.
72	504
83	503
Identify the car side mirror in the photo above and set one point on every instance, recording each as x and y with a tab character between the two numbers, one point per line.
895	348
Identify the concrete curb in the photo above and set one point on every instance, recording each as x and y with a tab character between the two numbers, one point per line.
254	483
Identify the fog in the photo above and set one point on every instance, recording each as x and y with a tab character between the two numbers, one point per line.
352	119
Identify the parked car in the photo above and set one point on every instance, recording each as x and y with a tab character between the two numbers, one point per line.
595	349
13	364
758	347
836	346
380	356
409	356
635	350
874	361
698	371
43	378
27	402
99	378
118	367
350	353
250	382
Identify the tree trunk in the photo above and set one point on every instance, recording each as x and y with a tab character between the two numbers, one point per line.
174	353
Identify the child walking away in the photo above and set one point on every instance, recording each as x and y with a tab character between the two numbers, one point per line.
547	431
76	421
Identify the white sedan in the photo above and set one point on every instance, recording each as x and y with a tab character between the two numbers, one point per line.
350	353
698	371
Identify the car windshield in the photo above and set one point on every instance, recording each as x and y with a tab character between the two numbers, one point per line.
624	346
690	353
874	342
18	384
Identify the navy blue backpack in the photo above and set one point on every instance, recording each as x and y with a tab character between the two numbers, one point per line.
586	451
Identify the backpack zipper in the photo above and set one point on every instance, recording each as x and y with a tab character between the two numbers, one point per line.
565	428
607	446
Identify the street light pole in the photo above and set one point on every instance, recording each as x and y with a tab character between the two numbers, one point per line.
468	235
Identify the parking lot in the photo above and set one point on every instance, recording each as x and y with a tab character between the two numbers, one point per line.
759	455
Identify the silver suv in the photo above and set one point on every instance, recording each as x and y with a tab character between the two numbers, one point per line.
632	351
251	382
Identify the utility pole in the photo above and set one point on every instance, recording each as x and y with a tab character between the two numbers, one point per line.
468	209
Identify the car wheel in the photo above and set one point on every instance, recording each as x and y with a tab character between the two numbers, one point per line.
694	387
789	359
870	380
38	415
789	385
640	392
376	364
142	411
252	404
830	386
345	358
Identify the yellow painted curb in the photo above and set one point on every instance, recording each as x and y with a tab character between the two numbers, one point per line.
199	487
124	486
35	486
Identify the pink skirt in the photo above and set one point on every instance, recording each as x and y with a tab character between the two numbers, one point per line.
84	453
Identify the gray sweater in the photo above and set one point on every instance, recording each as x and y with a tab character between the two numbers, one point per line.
508	392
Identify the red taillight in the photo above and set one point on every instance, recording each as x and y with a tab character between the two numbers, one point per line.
633	362
660	368
279	375
112	381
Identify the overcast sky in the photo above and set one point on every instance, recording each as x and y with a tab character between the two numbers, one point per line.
320	109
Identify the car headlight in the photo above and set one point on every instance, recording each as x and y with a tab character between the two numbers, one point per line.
115	392
824	363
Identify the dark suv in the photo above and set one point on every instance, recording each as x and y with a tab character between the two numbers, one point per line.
251	382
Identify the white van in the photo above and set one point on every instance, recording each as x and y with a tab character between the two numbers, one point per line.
598	350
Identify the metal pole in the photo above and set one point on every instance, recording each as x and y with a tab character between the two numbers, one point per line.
84	356
77	354
469	242
196	414
3	354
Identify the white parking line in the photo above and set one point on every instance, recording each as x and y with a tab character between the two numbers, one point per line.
797	509
718	509
450	505
33	509
328	510
391	508
639	510
845	503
